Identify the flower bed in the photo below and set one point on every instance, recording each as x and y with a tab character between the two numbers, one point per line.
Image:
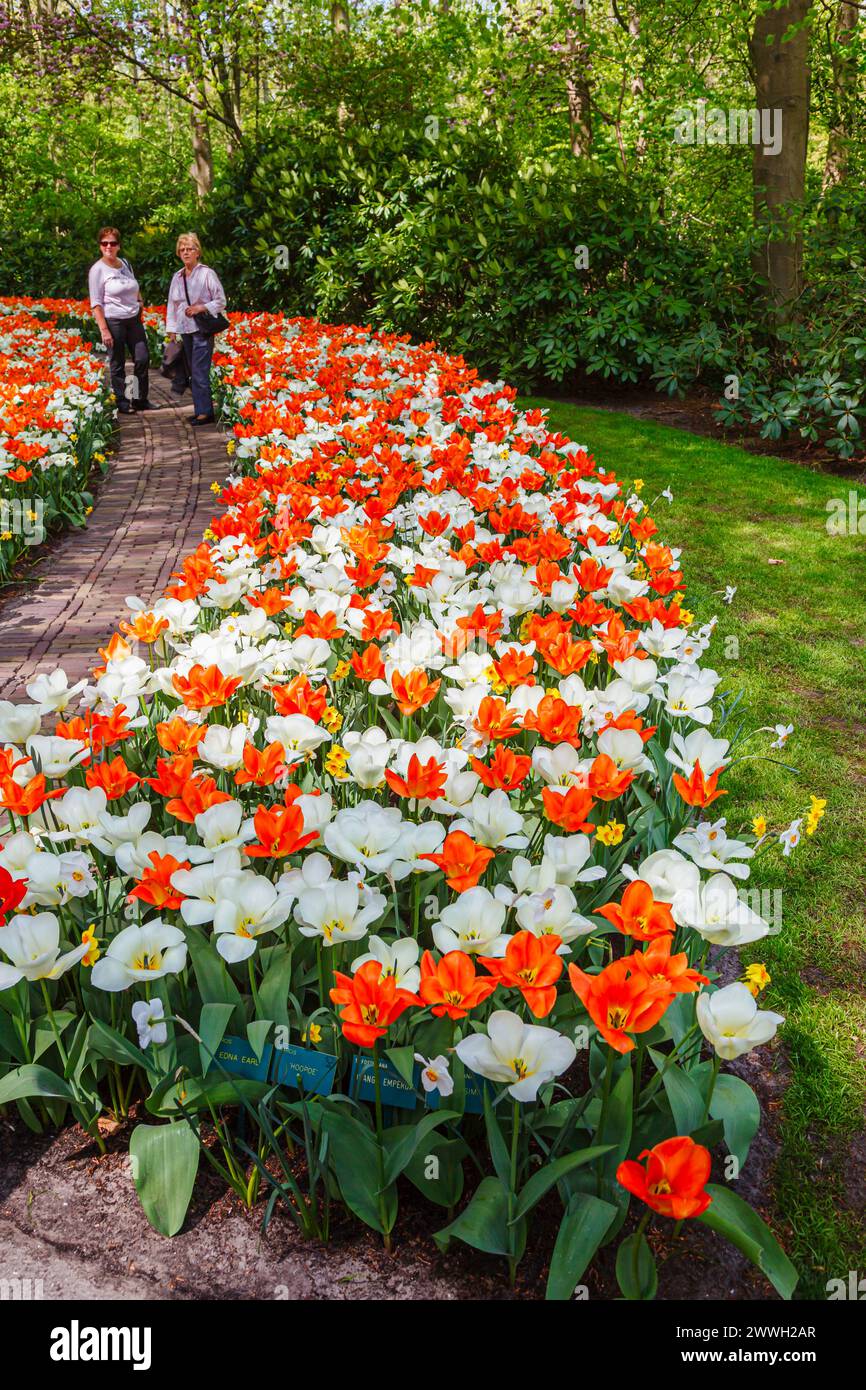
379	847
55	420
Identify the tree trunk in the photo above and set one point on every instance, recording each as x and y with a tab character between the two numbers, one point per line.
578	87
781	71
845	95
201	169
637	82
340	29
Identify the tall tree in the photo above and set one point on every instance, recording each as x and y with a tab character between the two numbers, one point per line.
844	94
779	51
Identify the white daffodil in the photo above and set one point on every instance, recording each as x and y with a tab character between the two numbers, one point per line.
660	641
522	1055
148	1016
472	924
32	944
732	1023
337	911
709	847
717	912
249	905
435	1075
783	732
790	838
138	955
397	958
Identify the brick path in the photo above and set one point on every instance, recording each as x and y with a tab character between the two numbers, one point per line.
151	509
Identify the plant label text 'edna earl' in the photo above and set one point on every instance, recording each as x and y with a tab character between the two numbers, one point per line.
76	1343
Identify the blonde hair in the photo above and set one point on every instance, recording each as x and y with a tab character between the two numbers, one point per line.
190	237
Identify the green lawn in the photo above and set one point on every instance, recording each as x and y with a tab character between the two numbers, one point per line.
801	630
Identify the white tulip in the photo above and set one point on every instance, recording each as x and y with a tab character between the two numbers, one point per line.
731	1021
248	905
32	944
138	955
523	1055
717	913
472	924
337	911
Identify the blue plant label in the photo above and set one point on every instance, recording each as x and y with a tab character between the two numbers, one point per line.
305	1069
238	1056
394	1089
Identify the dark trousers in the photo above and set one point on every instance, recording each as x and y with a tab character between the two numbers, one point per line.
129	335
198	350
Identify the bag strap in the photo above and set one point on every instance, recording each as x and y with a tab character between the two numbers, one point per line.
183	277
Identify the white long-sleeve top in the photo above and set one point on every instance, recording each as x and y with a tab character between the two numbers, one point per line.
204	288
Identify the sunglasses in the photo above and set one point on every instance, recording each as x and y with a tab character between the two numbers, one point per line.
109	243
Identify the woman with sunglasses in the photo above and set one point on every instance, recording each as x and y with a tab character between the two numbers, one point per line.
116	301
195	290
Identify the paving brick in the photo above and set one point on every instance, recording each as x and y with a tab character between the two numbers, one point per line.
151	510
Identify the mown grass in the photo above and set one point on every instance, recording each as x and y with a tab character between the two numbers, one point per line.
800	658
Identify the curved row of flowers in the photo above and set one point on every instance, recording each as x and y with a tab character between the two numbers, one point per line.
388	825
55	420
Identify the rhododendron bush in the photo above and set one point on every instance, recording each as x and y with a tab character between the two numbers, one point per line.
55	418
391	842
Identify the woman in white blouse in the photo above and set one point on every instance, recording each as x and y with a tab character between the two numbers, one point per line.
195	289
116	303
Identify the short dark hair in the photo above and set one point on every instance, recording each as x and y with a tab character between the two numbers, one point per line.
109	231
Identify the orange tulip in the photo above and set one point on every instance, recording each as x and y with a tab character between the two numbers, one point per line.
461	860
205	687
179	736
698	790
261	767
369	1003
495	720
195	796
674	1180
23	801
531	965
154	886
280	832
638	914
368	664
452	986
568	809
555	721
656	962
619	1002
414	691
423	782
606	780
506	770
146	627
114	778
